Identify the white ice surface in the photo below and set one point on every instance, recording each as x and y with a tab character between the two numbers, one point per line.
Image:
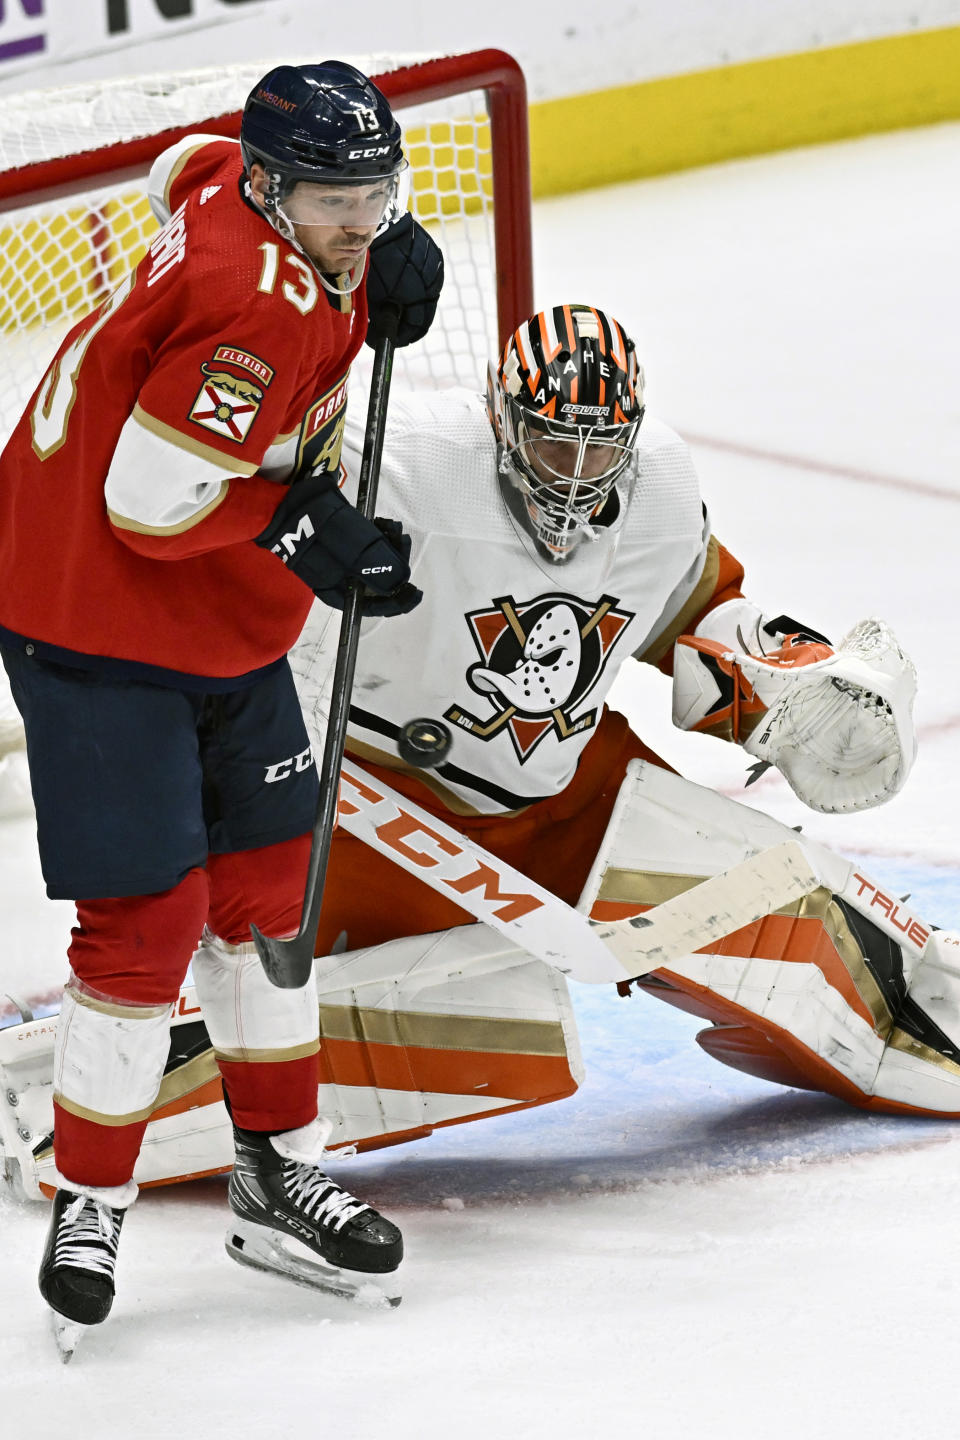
678	1250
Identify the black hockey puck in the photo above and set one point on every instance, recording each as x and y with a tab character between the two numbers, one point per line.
424	743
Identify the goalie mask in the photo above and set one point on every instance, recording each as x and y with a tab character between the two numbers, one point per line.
330	146
566	402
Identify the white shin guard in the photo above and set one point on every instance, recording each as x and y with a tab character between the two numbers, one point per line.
247	1017
109	1056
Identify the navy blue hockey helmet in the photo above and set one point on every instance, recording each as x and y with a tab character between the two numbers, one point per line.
327	123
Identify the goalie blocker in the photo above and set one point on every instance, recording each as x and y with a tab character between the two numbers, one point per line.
844	990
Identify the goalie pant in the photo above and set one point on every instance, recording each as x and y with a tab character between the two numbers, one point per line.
834	995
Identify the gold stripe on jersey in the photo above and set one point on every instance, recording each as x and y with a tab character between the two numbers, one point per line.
346	296
122	522
269	1057
702	591
187	442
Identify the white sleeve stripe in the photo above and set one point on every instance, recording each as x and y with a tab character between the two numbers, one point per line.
121	522
171	436
160	488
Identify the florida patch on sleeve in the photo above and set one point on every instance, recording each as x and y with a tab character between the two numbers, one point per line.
228	404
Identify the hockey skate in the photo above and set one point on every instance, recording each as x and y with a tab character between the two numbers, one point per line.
292	1220
77	1270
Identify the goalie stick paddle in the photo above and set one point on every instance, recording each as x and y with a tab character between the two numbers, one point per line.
716	907
289	963
595	952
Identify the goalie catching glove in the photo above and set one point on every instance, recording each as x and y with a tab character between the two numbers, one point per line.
837	724
327	544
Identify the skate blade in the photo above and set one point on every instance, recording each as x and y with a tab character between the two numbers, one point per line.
276	1254
67	1335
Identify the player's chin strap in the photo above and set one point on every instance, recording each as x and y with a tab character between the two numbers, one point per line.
838	724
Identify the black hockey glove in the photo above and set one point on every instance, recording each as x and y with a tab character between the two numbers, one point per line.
326	542
406	271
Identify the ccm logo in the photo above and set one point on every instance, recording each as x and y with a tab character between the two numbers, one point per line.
412	839
285	768
376	570
286	546
368	152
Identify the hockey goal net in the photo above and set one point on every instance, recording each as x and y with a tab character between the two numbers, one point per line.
74	217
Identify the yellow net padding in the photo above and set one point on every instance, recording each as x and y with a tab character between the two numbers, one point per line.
56	266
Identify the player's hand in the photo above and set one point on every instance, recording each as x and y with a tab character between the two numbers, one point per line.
404	598
327	544
406	272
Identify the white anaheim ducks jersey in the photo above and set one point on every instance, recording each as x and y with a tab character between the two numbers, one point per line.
514	652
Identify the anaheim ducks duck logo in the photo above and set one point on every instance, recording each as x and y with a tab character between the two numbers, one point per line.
538	661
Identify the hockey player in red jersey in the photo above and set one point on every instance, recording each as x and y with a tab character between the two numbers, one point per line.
185	430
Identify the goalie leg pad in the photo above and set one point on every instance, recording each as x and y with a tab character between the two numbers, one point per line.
835	986
749	1050
922	1054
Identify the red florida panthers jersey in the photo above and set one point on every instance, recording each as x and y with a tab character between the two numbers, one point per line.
156	445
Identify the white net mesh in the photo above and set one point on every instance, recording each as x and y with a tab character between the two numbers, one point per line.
62	252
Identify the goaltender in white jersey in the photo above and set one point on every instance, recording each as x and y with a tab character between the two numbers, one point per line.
514	650
558	531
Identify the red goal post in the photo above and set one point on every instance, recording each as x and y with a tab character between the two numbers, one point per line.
74	217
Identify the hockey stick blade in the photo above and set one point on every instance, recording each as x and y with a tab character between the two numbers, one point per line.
712	909
287	963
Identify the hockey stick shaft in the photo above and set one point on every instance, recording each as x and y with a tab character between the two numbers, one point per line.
288	963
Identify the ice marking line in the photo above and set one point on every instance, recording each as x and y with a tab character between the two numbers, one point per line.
822	467
890	852
938	727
